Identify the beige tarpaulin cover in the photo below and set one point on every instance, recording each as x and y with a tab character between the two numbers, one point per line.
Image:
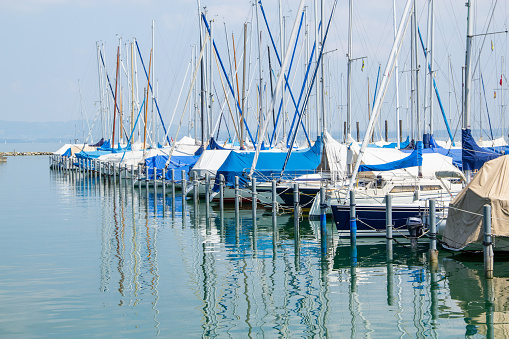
465	220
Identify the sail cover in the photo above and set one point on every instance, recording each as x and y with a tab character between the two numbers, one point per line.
473	156
269	165
414	159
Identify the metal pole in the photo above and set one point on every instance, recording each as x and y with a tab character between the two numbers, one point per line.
163	180
155	182
323	211
388	227
139	177
296	208
274	202
195	188
173	191
207	194
184	184
254	198
433	252
237	198
488	245
353	217
221	194
132	177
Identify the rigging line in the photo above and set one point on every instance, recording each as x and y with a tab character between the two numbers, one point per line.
227	101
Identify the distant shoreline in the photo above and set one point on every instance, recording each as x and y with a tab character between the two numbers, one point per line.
15	154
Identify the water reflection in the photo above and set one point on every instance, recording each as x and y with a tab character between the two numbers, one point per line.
248	278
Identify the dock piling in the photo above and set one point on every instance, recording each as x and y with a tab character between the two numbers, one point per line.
353	216
433	252
254	199
296	210
488	245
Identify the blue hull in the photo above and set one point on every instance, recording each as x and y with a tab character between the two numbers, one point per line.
371	219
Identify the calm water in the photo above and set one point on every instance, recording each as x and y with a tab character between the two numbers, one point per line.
82	259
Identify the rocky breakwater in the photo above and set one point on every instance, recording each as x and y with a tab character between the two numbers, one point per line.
15	154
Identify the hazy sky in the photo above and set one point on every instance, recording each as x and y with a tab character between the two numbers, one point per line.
49	49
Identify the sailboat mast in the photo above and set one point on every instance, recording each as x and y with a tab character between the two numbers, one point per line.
211	90
468	69
419	132
316	62
154	139
349	75
282	49
431	63
244	57
115	104
468	75
100	87
396	73
260	113
324	123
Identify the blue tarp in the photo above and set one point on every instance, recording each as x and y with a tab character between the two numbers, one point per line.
91	155
67	153
99	144
473	156
433	147
269	165
177	162
414	159
402	144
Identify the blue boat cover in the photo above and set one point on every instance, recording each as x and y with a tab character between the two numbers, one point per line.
473	156
99	144
177	162
67	153
91	155
402	144
414	159
269	165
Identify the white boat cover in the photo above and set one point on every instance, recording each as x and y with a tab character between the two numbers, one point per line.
431	162
492	143
210	161
465	220
75	148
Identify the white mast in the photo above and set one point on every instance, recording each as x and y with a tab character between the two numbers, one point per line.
211	90
281	49
349	76
431	52
100	87
417	105
260	112
324	124
468	75
398	132
316	62
154	144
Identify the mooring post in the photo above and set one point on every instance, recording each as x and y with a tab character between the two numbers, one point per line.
120	174
195	188
154	171
488	245
173	191
433	252
296	210
207	195
274	202
184	184
221	194
237	199
388	226
138	177
323	211
254	199
353	216
132	177
163	180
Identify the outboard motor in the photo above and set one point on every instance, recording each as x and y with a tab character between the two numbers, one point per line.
415	228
